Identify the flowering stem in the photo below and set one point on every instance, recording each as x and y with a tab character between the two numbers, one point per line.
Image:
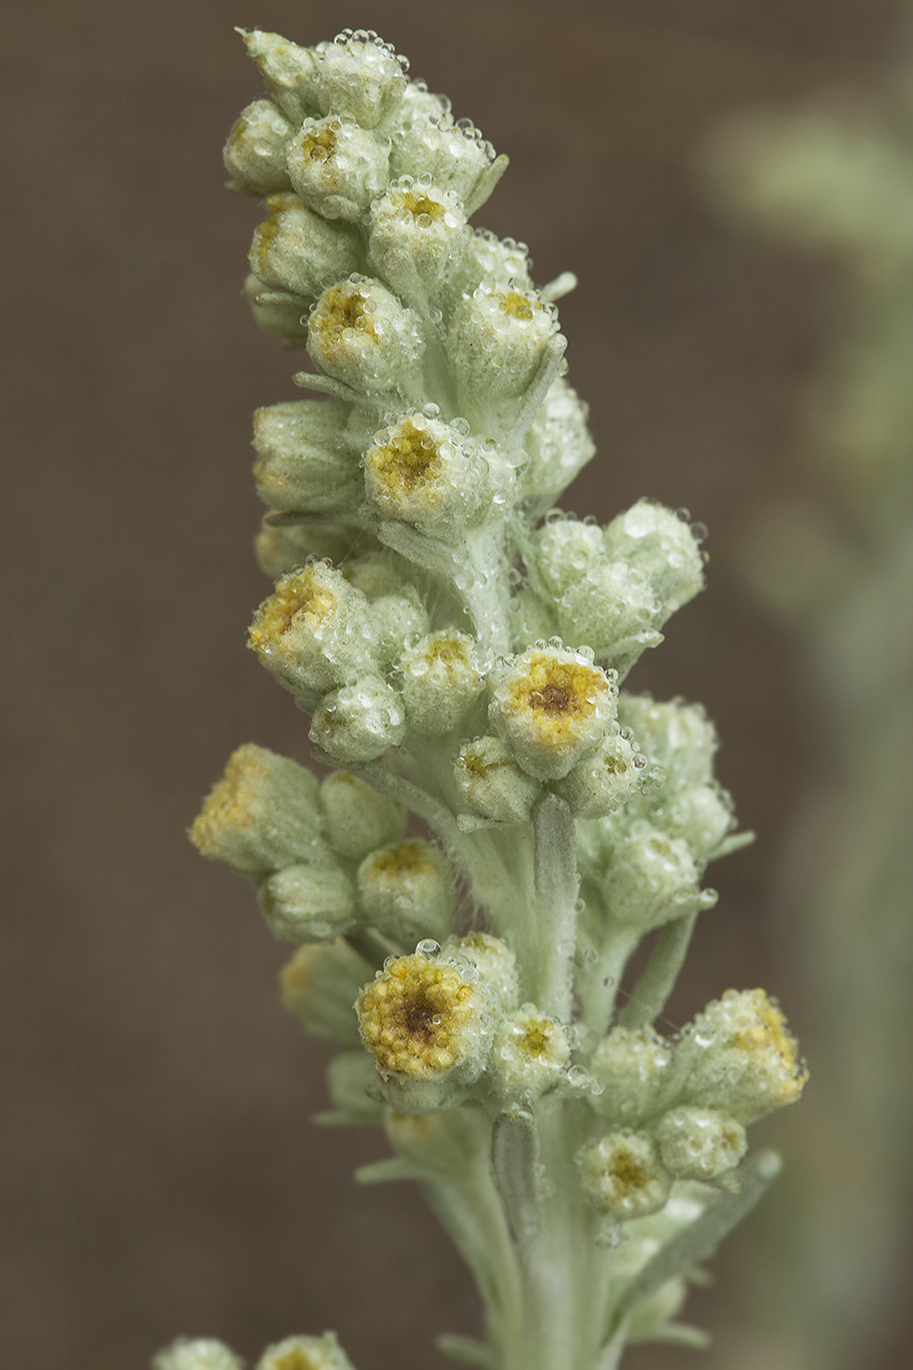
557	885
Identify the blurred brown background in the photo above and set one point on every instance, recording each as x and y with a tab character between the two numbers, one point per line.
158	1170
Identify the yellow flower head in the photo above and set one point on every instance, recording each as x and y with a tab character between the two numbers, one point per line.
421	1018
552	706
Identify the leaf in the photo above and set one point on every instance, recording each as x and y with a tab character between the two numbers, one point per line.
466	1349
395	1168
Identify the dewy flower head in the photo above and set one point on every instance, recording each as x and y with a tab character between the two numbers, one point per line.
623	1175
336	167
360	334
314	631
528	1056
422	1018
198	1354
296	249
496	341
305	1353
422	471
552	706
739	1056
440	682
418	235
406	890
261	816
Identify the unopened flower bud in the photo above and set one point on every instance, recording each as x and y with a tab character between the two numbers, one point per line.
448	1142
494	963
634	1067
604	779
740	1057
314	631
297	250
416	238
359	722
565	549
261	816
358	75
500	262
198	1354
654	878
285	547
528	1055
700	1143
622	1175
398	620
552	706
424	472
440	682
352	1084
319	985
611	608
496	341
558	444
678	737
285	68
493	784
406	890
360	334
659	544
305	462
422	1019
427	142
308	903
357	818
336	167
255	154
305	1353
277	311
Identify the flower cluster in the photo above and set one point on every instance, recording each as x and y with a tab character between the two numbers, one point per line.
461	653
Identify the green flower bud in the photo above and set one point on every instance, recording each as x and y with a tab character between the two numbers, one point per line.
440	683
199	1354
305	462
359	722
398	620
634	1067
659	544
336	167
425	472
677	736
314	631
357	818
276	311
424	1021
287	547
700	1143
308	903
493	784
496	341
740	1057
319	985
255	154
358	75
558	444
296	249
552	706
305	1353
361	335
417	236
352	1082
604	779
565	550
529	1055
427	143
261	816
493	962
448	1142
612	608
286	70
622	1175
653	878
501	262
406	890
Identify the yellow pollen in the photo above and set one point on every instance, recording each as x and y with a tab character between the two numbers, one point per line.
408	858
559	695
320	144
421	204
517	306
341	320
535	1039
409	462
299	595
628	1175
229	803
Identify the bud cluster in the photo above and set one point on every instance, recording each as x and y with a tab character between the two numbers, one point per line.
460	651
